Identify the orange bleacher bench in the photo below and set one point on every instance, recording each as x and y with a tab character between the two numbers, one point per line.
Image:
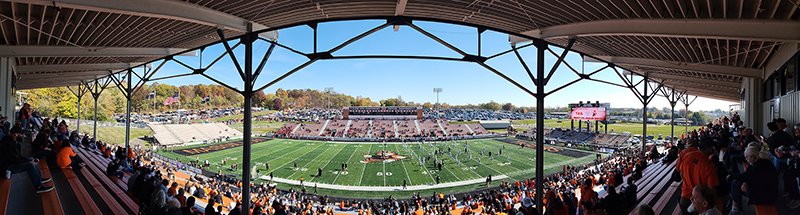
5	189
80	192
50	198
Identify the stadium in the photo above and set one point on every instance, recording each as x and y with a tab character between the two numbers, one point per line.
285	153
441	157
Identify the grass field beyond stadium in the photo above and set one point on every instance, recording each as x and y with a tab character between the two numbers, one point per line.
515	162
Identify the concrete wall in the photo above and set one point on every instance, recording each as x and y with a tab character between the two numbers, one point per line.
7	91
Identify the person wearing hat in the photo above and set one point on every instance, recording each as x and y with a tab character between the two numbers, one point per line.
554	205
527	207
11	160
697	169
759	182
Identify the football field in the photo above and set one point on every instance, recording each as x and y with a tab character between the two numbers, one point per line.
366	168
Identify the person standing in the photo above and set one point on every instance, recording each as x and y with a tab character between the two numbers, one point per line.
404	183
25	115
697	169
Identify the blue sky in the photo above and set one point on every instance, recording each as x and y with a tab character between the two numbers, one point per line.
462	83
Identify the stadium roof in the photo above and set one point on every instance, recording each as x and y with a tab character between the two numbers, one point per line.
705	47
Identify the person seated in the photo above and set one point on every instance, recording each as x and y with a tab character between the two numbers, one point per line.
68	158
114	170
759	182
704	200
41	147
11	160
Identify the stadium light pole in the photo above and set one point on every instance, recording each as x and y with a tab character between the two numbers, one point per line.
437	91
329	90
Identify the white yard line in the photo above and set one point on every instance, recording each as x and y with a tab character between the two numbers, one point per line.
348	161
329	161
515	160
292	161
312	160
365	167
404	167
426	169
384	173
387	188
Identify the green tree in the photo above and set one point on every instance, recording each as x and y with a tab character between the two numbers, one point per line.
491	106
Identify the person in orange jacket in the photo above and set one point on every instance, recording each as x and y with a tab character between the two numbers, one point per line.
67	158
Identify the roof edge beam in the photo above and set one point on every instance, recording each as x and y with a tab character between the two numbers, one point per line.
71	51
697	67
761	30
695	80
77	67
175	10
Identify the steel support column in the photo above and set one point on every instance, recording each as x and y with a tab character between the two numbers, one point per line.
248	95
644	114
685	100
645	97
128	111
96	95
673	98
81	91
540	94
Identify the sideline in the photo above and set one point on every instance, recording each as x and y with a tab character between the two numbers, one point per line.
384	188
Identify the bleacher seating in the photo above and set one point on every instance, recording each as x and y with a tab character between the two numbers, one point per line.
337	125
407	128
164	135
358	129
185	133
309	129
382	129
428	126
386	129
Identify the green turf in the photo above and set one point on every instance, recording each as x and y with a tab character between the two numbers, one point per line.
115	134
282	154
634	128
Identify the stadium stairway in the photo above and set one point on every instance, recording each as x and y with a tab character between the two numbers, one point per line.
295	128
347	128
369	132
396	133
322	130
441	127
416	123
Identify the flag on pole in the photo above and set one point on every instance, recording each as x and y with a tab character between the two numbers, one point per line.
151	95
206	99
172	99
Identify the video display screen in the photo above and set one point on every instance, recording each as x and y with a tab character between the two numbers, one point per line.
588	113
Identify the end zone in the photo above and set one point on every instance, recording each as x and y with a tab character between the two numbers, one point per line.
217	147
